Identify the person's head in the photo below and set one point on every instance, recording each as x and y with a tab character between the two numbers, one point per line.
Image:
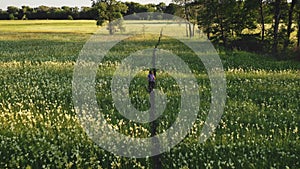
151	72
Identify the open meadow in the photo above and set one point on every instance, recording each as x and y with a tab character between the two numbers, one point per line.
39	127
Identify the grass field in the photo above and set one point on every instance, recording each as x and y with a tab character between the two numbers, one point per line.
39	127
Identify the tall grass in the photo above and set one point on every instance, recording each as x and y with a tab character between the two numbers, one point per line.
39	127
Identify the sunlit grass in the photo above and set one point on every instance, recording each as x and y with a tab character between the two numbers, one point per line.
49	26
39	127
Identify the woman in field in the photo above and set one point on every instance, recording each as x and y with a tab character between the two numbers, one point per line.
151	80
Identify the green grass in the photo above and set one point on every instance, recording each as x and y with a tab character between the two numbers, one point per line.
48	26
39	127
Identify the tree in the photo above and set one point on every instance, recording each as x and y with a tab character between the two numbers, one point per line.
13	12
172	8
11	16
224	19
194	8
109	10
186	14
276	25
290	22
88	13
42	12
262	19
3	15
221	18
264	11
243	16
24	11
161	7
69	12
55	13
298	22
206	16
75	12
133	7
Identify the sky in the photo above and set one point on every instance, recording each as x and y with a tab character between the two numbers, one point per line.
59	3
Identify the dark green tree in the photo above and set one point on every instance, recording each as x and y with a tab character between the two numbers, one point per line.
290	22
277	15
172	8
3	15
75	12
88	13
262	18
108	11
161	7
224	10
206	16
24	11
43	12
13	12
297	13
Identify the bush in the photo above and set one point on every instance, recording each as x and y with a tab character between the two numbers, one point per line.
11	17
70	17
249	42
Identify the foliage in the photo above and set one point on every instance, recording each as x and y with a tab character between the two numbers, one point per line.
224	22
45	12
233	19
109	10
39	128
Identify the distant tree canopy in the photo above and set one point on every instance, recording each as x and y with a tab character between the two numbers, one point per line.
98	7
271	26
45	12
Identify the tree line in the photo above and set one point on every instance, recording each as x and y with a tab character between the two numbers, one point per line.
263	26
266	26
66	12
